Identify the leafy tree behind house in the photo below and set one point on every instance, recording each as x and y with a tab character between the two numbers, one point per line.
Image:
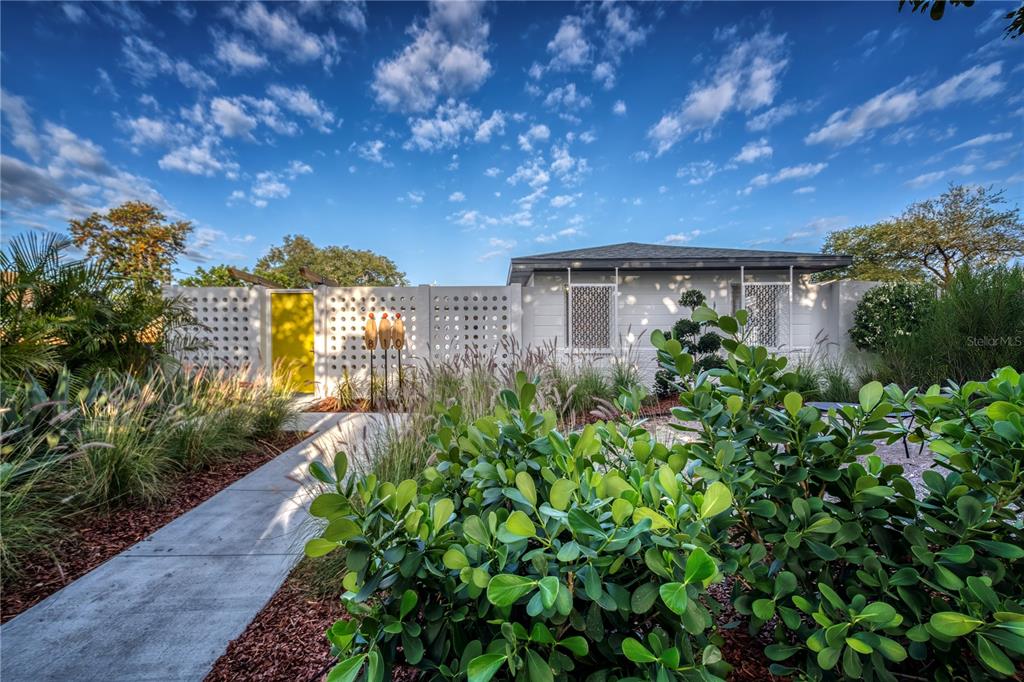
348	267
133	240
964	227
214	276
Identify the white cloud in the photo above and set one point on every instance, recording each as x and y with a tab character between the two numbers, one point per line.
371	150
145	61
299	101
451	121
231	117
804	170
804	190
145	130
776	115
588	136
238	55
446	57
19	119
278	29
567	97
752	151
195	160
352	13
106	84
413	197
561	234
898	104
681	237
494	125
536	133
569	169
74	12
604	73
699	172
297	168
983	139
563	200
492	172
456	197
619	108
929	178
570	47
531	172
185	14
745	79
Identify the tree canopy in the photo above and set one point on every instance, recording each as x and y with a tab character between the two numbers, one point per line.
133	240
214	276
348	267
964	227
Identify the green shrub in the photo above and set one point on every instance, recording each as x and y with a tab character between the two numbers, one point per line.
527	554
830	550
124	441
890	312
975	327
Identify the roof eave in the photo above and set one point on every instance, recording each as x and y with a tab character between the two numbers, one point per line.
523	266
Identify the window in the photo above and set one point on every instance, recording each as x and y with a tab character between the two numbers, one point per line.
767	305
591	315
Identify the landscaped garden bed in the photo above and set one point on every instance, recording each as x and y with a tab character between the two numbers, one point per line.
773	538
94	537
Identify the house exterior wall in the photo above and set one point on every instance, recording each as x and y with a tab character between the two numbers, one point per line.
821	313
443	322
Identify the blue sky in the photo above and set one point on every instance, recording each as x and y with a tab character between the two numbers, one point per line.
453	136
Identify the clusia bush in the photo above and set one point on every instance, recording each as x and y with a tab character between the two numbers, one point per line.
525	554
832	550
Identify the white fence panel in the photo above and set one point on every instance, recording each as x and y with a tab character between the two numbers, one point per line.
481	319
340	318
232	323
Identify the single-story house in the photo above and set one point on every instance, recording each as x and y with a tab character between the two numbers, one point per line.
602	299
594	303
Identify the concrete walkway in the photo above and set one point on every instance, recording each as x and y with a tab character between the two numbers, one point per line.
166	608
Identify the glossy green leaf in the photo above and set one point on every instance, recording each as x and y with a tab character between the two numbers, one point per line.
483	668
505	589
674	595
637	652
717	499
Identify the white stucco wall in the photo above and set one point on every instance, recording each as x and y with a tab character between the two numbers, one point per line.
821	313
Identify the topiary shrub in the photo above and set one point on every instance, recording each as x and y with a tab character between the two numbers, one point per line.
526	554
831	551
694	336
890	312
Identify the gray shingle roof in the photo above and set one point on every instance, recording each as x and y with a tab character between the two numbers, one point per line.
638	251
637	256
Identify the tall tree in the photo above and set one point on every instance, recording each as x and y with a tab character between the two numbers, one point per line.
965	227
133	240
349	267
214	276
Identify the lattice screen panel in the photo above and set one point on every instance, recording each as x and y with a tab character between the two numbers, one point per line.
768	308
340	320
481	319
231	329
592	315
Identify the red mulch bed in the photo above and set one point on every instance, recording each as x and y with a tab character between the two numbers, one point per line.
95	537
286	640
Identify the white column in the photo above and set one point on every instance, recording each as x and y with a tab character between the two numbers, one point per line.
790	307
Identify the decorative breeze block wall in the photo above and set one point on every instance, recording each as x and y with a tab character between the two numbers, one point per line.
232	320
482	319
340	317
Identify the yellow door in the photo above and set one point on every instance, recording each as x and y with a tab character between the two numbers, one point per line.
291	338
